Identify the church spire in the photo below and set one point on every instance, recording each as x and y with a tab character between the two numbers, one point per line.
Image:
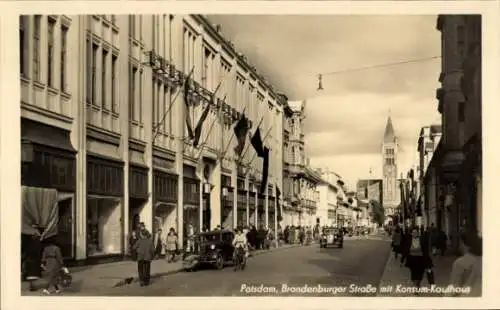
389	135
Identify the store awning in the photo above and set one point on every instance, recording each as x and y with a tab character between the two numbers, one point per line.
40	211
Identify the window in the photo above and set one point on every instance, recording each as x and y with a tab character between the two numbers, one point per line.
23	44
461	112
64	40
114	102
104	62
132	98
95	47
36	48
50	52
139	102
89	72
113	19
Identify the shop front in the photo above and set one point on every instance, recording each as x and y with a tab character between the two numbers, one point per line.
191	212
48	179
227	202
252	210
261	210
164	200
104	207
242	205
271	212
138	194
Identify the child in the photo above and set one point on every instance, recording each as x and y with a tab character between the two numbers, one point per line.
52	262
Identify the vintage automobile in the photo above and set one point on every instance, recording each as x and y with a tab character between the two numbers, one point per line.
331	236
214	248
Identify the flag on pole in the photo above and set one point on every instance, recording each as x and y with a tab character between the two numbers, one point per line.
278	205
257	143
265	171
199	125
240	131
187	103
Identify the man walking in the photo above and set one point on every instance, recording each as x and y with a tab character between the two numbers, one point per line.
145	249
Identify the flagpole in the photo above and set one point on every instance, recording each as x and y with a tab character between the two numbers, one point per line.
263	140
231	139
248	146
202	146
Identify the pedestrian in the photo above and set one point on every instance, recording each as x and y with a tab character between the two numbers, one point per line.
302	235
170	245
158	242
442	240
52	263
397	239
132	240
467	269
417	257
145	253
32	249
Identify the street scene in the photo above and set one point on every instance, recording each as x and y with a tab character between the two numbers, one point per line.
251	155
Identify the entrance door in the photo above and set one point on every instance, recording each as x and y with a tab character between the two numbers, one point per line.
65	227
207	215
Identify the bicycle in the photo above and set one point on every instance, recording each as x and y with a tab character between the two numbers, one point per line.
240	259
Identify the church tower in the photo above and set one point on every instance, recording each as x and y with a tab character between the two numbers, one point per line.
390	169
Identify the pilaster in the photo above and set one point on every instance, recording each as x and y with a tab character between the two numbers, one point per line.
215	196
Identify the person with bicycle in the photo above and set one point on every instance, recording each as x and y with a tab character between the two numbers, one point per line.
240	241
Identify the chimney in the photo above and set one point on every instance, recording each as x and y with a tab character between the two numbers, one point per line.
218	28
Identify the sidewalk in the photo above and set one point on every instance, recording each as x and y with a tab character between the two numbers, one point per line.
105	276
395	274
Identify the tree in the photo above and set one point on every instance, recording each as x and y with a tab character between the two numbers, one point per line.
378	213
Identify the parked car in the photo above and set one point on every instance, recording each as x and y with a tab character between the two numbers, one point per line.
214	248
331	236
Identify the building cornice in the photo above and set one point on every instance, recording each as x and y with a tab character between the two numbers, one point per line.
240	59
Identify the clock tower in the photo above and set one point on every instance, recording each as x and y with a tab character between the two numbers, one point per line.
390	184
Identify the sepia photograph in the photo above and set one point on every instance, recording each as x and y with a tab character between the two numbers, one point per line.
279	155
251	155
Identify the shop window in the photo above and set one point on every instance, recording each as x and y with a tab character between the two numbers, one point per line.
104	229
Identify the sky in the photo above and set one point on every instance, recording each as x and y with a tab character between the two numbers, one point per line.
345	121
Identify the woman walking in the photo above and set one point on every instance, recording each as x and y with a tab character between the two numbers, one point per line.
52	262
397	239
467	269
417	256
170	245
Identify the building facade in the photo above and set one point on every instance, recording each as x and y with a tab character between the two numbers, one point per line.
459	102
337	206
390	149
428	141
105	114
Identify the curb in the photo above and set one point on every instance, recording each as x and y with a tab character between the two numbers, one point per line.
386	267
130	280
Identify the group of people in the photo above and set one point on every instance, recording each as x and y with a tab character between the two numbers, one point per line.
416	247
300	234
144	248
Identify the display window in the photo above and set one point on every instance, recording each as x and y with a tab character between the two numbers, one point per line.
104	227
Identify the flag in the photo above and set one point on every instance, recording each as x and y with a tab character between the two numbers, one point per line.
240	131
265	171
199	126
257	143
278	205
186	102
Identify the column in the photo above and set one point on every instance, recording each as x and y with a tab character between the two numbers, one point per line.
247	187
234	184
215	196
146	105
256	211
178	129
266	209
80	119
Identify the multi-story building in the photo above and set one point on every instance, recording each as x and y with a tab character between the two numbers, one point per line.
105	105
427	143
459	154
337	206
300	180
390	149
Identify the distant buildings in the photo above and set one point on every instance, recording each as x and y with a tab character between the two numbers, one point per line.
332	198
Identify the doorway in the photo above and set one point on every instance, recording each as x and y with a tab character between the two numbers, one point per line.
207	213
65	236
